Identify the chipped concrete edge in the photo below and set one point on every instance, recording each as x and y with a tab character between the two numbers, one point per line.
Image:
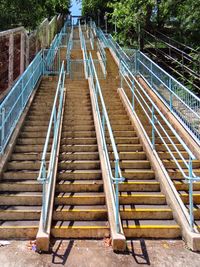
173	199
118	239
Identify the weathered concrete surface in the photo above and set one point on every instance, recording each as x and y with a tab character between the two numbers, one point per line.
160	253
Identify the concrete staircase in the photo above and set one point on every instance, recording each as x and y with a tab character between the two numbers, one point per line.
80	210
20	193
143	207
176	176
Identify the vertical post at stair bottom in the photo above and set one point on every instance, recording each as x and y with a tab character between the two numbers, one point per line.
191	204
117	194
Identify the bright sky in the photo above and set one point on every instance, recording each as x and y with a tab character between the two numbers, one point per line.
76	8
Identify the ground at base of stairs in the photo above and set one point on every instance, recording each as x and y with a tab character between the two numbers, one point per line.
84	253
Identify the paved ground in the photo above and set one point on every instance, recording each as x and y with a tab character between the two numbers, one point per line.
99	254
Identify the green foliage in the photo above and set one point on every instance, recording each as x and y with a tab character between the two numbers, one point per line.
29	13
182	16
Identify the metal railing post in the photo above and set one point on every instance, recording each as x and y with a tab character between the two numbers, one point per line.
103	122
117	193
153	127
171	94
133	96
191	203
2	126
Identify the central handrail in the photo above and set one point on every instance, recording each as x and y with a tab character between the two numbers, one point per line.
84	49
102	52
149	108
69	48
47	167
104	121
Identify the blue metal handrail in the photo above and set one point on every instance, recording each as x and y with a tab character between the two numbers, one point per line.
69	48
181	101
149	108
92	39
102	36
14	103
176	96
104	121
47	167
120	53
84	49
103	55
55	45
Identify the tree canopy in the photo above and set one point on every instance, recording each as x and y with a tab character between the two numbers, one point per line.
29	13
182	17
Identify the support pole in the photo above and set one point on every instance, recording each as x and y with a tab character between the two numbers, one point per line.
11	59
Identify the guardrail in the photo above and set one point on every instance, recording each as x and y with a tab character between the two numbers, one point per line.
120	53
105	123
177	97
182	102
69	48
47	167
102	52
14	103
92	39
102	36
57	41
155	118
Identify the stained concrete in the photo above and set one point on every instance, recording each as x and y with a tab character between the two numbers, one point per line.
81	253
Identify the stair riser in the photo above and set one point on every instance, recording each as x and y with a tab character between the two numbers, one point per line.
21	200
143	200
14	215
18	232
80	200
153	233
80	233
79	176
80	215
139	188
146	215
73	188
78	166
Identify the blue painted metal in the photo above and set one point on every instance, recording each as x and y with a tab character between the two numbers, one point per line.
156	118
46	175
105	123
69	48
181	101
103	56
14	103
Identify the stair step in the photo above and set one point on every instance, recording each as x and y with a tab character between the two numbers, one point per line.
89	198
142	198
151	229
80	229
140	185
79	174
79	186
